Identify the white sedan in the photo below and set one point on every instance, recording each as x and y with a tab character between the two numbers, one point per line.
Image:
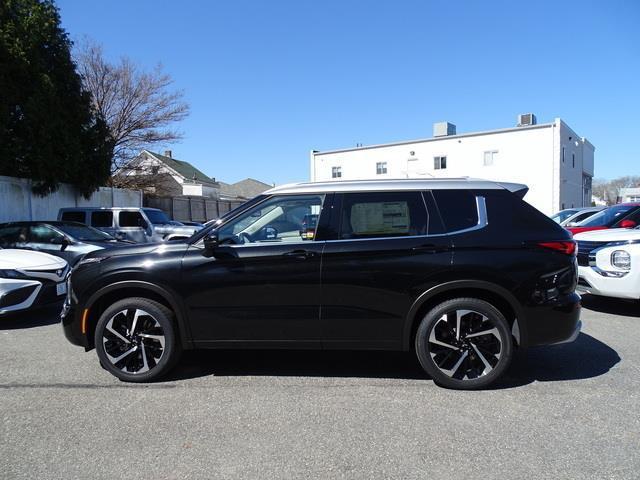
609	263
28	279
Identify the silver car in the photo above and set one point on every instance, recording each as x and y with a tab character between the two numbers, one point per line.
68	240
572	216
140	225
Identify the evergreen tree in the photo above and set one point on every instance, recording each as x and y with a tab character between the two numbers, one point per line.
49	131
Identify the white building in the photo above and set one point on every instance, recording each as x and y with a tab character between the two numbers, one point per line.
630	195
550	158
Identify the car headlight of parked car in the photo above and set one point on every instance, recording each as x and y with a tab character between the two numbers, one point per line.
621	259
11	274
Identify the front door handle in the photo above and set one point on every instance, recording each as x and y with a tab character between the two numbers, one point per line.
430	248
301	254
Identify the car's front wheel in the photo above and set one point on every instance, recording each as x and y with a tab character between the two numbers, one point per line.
136	341
464	343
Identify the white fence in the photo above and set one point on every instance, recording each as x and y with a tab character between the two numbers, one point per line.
18	202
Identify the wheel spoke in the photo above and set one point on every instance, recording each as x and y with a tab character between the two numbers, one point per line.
116	333
115	360
145	363
493	331
134	324
455	368
159	338
487	366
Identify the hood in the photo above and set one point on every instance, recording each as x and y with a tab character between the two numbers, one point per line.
139	249
11	259
609	235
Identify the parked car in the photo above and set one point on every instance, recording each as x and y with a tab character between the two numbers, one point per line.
30	279
609	262
623	215
569	217
193	224
461	271
67	240
140	225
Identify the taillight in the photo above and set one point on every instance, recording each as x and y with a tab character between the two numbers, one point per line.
567	247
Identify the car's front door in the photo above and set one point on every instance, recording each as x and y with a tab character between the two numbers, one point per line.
389	248
261	286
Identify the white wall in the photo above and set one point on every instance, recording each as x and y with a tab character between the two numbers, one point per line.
18	202
528	155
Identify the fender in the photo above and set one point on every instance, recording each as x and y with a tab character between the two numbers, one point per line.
171	298
458	285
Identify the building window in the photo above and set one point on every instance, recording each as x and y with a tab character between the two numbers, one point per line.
562	154
489	157
573	160
336	172
439	163
381	168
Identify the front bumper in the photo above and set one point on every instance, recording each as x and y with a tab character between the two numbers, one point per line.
590	281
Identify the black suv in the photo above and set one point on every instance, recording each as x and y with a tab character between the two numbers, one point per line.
461	271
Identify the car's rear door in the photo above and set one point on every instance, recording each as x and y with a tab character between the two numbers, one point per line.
388	247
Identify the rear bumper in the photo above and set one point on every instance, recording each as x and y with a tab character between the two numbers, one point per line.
554	322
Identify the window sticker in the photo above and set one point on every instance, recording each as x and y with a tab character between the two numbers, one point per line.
380	218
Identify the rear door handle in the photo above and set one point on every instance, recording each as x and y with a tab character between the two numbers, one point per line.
430	248
301	254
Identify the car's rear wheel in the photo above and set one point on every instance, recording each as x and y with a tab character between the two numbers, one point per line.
136	340
464	343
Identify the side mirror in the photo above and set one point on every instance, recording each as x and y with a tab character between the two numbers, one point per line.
211	241
627	224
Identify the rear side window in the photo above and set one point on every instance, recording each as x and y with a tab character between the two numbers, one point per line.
458	208
130	219
383	214
73	217
102	219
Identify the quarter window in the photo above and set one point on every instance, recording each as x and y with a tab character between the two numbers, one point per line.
439	163
279	219
383	214
458	208
381	168
336	172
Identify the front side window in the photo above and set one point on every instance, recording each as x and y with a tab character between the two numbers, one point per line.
381	168
130	219
280	219
336	172
44	234
439	163
383	214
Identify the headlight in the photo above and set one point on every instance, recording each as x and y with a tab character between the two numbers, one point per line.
11	274
621	259
86	261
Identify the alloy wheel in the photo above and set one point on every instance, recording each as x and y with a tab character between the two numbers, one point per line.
133	341
465	344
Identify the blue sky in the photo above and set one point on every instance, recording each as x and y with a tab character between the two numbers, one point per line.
270	80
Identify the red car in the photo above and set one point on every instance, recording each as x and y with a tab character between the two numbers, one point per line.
623	215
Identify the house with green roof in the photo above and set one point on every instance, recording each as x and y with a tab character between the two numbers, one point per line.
164	175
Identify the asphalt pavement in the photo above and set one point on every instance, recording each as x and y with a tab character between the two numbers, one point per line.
567	411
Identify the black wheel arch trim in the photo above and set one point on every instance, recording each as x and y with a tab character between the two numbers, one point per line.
453	285
171	298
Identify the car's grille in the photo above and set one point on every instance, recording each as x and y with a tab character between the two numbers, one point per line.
584	249
17	296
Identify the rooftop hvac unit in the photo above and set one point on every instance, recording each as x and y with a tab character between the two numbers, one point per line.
526	119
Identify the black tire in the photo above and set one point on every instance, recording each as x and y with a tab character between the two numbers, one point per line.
461	362
153	343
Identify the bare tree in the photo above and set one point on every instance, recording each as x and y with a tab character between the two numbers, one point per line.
138	106
609	190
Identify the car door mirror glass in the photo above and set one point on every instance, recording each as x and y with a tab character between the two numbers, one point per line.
211	241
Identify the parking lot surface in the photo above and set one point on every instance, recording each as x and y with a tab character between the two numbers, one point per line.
567	411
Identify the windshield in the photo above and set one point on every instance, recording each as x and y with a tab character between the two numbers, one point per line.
607	217
157	217
84	233
562	215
